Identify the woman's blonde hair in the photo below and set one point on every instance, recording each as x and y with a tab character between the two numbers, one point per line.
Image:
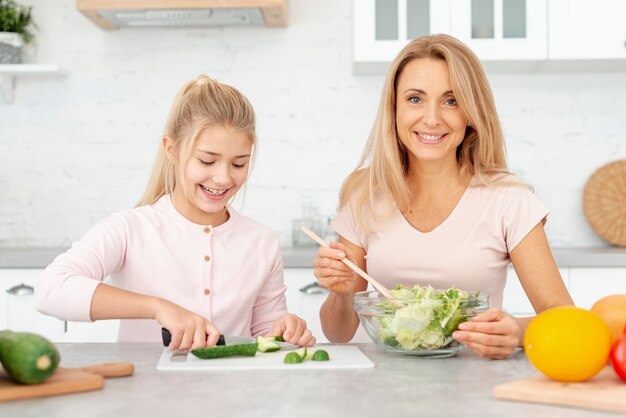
381	175
199	104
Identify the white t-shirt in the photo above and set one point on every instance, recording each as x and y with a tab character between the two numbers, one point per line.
469	250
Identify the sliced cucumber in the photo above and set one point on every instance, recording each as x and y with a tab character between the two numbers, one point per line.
292	358
247	350
267	344
320	355
301	352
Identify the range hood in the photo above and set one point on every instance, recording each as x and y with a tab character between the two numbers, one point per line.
114	14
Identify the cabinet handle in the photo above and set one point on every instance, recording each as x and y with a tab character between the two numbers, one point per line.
21	290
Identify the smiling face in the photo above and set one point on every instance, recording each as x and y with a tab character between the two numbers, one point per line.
217	169
429	121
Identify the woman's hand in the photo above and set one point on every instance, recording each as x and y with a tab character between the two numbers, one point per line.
331	272
189	330
492	334
293	330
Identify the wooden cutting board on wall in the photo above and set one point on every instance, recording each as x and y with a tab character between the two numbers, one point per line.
64	380
605	391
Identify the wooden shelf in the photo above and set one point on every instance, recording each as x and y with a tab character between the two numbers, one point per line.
9	73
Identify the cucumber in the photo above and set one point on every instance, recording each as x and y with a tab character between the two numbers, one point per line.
320	355
218	351
301	352
292	358
267	344
27	358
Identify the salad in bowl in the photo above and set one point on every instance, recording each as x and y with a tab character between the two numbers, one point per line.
419	320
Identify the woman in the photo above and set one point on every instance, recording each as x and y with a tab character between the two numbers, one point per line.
432	202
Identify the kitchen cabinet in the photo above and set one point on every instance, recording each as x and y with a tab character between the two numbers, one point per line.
381	28
587	29
506	35
515	300
588	285
496	30
585	285
502	30
18	313
307	305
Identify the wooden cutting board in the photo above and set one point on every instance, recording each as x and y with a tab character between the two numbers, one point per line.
605	391
341	357
64	380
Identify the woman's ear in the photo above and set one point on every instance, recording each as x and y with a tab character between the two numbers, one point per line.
168	147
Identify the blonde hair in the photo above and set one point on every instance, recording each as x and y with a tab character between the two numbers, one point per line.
381	175
199	104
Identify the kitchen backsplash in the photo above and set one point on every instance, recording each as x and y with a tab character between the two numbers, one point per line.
75	149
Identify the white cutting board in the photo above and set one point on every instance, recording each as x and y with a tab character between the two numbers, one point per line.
341	357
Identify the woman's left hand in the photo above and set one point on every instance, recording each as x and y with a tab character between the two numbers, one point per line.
492	334
293	330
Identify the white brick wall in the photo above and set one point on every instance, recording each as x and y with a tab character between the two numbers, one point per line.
75	149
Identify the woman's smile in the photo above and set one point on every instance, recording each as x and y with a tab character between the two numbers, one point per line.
430	138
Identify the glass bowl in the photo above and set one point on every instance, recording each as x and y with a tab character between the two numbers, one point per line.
418	328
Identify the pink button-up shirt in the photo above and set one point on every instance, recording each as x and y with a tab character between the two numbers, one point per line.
231	274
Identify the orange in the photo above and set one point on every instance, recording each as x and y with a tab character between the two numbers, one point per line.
612	309
567	343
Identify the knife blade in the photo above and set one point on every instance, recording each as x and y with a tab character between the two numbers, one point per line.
225	340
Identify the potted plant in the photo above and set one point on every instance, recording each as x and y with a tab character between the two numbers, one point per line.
16	24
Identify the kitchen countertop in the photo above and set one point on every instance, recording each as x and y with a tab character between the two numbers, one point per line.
397	386
303	257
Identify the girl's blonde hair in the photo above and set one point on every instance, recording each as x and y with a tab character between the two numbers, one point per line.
199	104
381	175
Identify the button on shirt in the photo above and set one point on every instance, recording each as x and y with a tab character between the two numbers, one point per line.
231	274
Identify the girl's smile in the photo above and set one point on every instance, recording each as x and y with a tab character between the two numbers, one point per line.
213	194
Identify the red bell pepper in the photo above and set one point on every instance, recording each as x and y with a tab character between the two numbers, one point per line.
618	356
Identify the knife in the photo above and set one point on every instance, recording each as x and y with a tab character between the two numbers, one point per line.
225	340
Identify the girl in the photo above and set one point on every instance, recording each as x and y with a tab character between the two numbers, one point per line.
432	202
183	259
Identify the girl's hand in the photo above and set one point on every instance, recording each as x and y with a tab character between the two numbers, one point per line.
331	272
189	330
492	334
293	330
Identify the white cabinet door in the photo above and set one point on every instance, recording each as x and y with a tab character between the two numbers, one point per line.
104	331
381	28
499	30
587	29
515	300
17	310
588	285
307	306
18	313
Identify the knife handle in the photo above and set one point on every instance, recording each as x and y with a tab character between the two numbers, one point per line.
167	338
